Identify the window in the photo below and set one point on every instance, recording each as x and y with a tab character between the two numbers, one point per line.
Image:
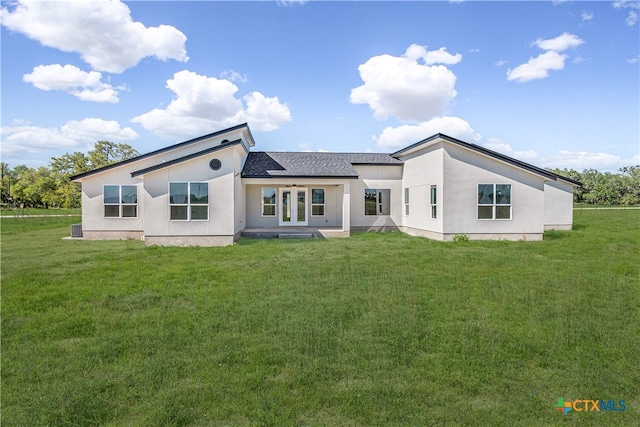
433	202
120	201
189	201
406	201
268	201
317	202
377	202
494	201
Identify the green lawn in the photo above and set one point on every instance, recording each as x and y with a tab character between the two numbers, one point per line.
380	329
24	212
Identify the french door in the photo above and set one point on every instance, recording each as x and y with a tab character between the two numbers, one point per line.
293	206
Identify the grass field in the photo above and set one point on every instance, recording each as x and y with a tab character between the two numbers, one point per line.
380	329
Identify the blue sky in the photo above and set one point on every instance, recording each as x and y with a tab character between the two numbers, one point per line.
555	84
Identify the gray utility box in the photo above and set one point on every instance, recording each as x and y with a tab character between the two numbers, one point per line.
76	230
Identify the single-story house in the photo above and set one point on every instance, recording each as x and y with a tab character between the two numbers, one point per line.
213	189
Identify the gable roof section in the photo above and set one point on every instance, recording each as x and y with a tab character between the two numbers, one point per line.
311	164
185	158
490	153
164	150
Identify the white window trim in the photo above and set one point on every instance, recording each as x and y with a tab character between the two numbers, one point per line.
378	203
433	214
263	204
324	197
494	205
406	201
120	204
189	204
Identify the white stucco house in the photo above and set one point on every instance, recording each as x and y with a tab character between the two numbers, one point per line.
214	189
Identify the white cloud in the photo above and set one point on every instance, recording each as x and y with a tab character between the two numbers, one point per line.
538	67
578	160
101	31
291	2
308	148
22	137
71	79
623	4
420	54
500	63
632	18
398	137
234	76
634	60
265	114
409	87
586	16
560	43
496	144
203	104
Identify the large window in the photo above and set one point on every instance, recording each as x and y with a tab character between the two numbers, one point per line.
120	201
377	202
317	202
189	201
268	201
494	201
433	202
406	201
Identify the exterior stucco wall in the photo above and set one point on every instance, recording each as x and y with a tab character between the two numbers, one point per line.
558	206
221	220
239	192
93	219
333	204
379	178
423	169
463	171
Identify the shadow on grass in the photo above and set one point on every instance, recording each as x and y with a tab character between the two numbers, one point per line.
556	234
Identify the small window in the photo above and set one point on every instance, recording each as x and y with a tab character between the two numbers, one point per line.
120	201
189	201
268	201
377	202
406	201
317	202
433	202
494	201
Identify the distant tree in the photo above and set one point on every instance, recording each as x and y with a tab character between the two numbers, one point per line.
105	153
36	187
70	164
631	185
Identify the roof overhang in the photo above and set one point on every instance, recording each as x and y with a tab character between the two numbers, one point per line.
439	137
142	172
247	141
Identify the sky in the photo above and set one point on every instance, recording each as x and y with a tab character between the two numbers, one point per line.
552	83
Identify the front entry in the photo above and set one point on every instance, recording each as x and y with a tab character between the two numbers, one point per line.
293	206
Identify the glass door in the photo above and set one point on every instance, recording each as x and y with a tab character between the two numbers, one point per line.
293	206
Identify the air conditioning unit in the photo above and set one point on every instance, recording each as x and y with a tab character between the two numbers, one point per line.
76	230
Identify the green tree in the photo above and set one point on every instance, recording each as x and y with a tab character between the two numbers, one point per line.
70	164
105	153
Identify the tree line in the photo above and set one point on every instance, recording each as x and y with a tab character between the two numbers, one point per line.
50	187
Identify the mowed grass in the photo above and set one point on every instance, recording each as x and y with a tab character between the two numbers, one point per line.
380	329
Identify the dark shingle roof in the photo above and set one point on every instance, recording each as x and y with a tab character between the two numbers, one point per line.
311	164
